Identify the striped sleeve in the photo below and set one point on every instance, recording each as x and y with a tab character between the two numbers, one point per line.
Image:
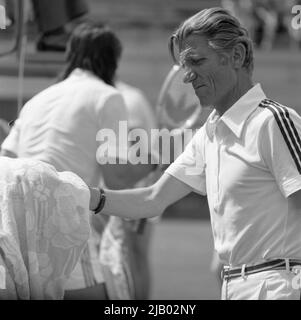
281	146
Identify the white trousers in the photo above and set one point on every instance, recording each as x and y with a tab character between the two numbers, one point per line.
266	285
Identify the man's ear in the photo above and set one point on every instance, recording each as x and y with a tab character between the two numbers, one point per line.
238	55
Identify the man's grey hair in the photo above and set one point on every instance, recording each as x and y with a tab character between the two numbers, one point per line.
222	30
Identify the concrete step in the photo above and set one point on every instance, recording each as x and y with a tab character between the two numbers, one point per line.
41	69
155	13
9	67
37	64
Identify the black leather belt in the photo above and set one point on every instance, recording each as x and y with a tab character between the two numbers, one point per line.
278	264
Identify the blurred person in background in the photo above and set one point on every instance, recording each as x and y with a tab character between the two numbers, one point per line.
55	20
243	11
59	126
9	11
125	245
265	16
294	33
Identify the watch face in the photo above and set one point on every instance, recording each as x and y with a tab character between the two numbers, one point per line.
178	105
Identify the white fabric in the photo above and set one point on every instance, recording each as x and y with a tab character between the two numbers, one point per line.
140	116
44	226
59	126
266	285
114	258
243	164
140	111
114	250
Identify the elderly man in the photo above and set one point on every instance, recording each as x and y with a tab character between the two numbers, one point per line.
246	159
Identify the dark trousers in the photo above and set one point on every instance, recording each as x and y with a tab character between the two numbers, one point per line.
54	14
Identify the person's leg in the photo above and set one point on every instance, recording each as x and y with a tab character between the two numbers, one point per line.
97	292
76	8
269	30
77	11
53	18
124	258
87	282
10	7
50	15
138	249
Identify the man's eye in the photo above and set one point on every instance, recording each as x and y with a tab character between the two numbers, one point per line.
197	61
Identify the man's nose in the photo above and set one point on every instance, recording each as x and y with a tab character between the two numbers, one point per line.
189	76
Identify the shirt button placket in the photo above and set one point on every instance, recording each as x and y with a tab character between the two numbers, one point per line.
216	174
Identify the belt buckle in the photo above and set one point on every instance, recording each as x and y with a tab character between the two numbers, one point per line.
225	273
296	269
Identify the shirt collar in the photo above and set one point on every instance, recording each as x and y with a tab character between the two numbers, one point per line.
236	116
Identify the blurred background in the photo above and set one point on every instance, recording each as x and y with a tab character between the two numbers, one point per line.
182	244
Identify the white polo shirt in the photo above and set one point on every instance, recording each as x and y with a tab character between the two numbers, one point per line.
248	162
59	125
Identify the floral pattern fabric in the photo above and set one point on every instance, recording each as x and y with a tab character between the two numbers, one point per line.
44	226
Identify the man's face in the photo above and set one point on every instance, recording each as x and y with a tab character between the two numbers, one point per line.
210	73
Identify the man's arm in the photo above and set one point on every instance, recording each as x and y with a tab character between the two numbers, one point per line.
143	202
116	177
